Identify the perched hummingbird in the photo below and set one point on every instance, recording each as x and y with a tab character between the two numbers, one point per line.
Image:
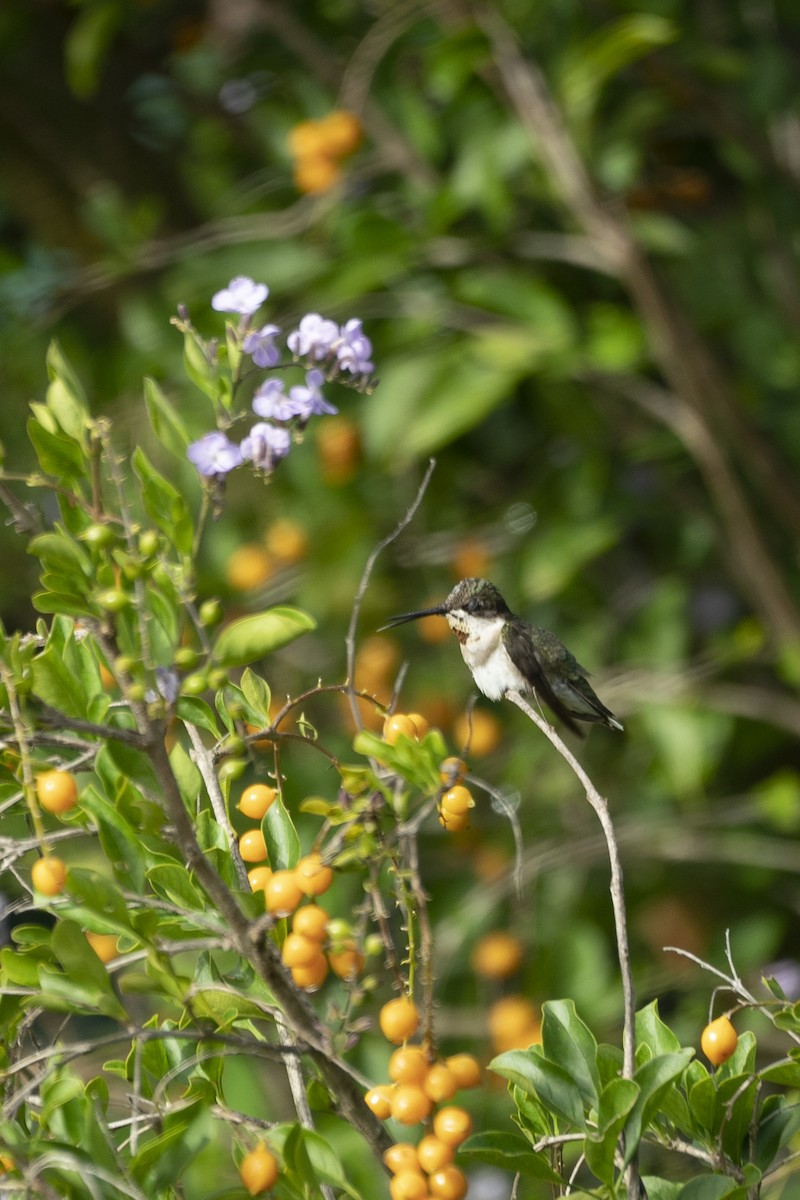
505	653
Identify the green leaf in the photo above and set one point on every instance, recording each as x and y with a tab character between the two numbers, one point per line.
59	455
510	1152
55	684
85	983
711	1187
778	1122
197	712
164	504
616	1101
551	1084
258	696
566	1040
174	883
97	902
654	1079
653	1033
251	638
281	837
604	53
167	424
66	397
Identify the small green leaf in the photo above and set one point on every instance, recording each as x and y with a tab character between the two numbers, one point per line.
654	1079
551	1084
711	1187
59	455
616	1100
510	1152
281	837
167	424
251	638
174	883
568	1041
164	504
258	695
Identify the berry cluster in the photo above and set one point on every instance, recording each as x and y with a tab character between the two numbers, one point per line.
418	1083
318	148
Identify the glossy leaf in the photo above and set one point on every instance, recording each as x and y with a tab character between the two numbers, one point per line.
251	638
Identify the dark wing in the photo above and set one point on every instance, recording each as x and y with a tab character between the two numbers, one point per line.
538	660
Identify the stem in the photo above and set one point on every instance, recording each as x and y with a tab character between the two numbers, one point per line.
600	806
203	761
350	640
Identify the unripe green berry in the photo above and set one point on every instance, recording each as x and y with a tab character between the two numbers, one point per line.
211	613
98	534
232	768
185	658
149	543
195	684
113	600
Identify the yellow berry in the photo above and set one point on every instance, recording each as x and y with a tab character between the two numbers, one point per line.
311	975
409	1064
448	1183
496	955
298	950
410	1105
408	1185
452	1125
49	875
399	725
379	1101
258	1170
465	1069
432	1154
399	1019
719	1040
57	791
104	945
283	893
256	800
311	921
252	846
440	1083
402	1156
313	877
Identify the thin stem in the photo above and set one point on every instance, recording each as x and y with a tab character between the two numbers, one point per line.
600	807
350	640
201	756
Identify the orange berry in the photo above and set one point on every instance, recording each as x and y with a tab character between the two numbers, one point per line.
399	1019
259	877
399	725
379	1101
311	975
258	1170
346	960
49	875
433	630
496	955
256	800
452	1125
57	791
514	1024
103	944
453	822
421	723
298	950
377	657
283	893
6	1163
286	540
471	560
339	451
410	1105
315	174
719	1040
481	733
440	1083
306	138
465	1068
342	132
432	1154
312	876
448	1183
408	1185
248	567
457	801
107	678
409	1064
311	921
252	846
402	1156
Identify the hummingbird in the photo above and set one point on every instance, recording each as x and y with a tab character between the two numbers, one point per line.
505	653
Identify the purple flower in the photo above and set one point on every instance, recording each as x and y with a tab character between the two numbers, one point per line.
241	296
308	399
266	445
271	401
260	345
313	338
214	455
353	349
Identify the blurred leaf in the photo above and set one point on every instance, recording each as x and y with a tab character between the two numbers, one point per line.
251	638
562	551
601	55
164	503
87	39
167	423
509	1152
66	397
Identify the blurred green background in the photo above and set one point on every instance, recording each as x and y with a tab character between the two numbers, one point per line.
571	232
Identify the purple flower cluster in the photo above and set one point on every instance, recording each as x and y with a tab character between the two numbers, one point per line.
327	349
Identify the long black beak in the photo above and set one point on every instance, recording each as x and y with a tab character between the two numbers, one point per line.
438	611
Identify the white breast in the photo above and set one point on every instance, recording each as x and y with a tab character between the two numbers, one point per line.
484	653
